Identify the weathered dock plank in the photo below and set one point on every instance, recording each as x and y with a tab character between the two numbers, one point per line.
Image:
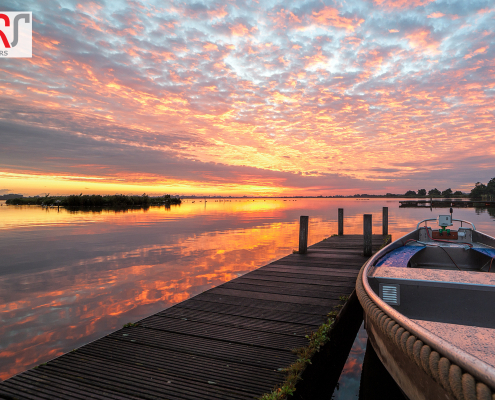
230	342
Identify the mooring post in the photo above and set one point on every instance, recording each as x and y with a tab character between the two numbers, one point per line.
303	234
341	221
385	221
367	231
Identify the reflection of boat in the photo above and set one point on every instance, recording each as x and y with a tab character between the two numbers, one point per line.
429	305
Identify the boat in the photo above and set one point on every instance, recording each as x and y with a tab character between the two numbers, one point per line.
429	310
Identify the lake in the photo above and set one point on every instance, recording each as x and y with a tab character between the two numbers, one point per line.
70	277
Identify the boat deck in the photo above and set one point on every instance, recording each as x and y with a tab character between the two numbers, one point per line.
435	275
475	340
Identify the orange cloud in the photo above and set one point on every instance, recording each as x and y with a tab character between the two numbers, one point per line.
481	50
402	3
330	16
239	30
422	40
436	14
210	46
280	98
286	19
218	12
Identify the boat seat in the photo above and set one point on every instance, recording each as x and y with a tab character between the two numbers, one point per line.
448	296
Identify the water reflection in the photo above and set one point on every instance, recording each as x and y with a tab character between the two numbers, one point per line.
349	381
68	277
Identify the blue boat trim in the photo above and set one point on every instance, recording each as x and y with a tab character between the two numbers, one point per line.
489	252
399	258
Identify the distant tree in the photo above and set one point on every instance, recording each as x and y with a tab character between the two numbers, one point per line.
458	193
410	193
434	192
422	192
490	187
447	192
478	190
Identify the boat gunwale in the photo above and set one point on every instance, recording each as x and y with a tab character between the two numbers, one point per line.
480	370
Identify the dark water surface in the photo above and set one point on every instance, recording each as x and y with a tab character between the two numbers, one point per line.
67	278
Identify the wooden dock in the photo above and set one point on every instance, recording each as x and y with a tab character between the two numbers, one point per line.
230	342
445	203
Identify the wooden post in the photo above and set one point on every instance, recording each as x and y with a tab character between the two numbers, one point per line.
385	221
341	221
303	234
367	232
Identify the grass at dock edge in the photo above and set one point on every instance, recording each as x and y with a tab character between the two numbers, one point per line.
317	340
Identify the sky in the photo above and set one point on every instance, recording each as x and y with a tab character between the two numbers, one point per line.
250	97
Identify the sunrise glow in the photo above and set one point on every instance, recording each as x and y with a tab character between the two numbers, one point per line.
250	98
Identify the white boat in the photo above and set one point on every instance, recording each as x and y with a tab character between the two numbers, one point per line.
429	308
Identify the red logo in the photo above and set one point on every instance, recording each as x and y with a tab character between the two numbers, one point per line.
27	19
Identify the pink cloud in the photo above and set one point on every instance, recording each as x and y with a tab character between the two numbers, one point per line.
218	12
330	16
421	40
481	50
402	3
436	14
239	30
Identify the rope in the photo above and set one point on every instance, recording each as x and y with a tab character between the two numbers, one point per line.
461	385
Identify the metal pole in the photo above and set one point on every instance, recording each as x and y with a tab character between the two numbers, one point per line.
385	221
341	221
367	232
303	234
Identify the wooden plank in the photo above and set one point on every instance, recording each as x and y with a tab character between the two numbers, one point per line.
254	311
136	380
313	270
318	294
266	295
297	283
217	349
276	305
180	364
228	333
265	325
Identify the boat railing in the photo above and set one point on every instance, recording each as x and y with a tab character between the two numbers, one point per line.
429	219
467	222
458	220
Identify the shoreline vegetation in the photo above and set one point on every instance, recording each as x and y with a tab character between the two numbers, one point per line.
96	200
480	191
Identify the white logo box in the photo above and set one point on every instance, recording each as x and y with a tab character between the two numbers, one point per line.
16	34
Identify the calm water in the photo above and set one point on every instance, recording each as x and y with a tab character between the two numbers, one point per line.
67	278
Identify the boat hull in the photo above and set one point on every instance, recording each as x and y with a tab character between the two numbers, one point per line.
413	381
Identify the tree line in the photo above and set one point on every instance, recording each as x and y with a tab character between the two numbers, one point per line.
479	191
96	200
435	193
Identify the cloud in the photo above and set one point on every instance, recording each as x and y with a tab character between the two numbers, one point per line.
331	16
286	97
422	40
481	50
402	3
436	14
